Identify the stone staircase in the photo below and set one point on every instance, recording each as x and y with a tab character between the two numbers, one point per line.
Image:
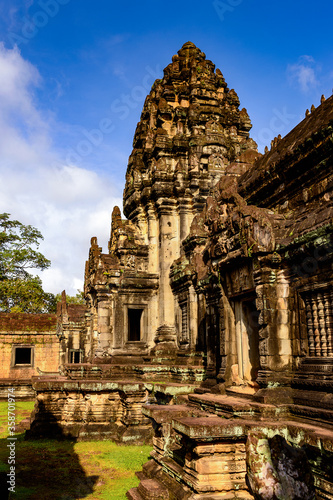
184	464
149	489
207	449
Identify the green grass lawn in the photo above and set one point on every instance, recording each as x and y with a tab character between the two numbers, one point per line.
66	470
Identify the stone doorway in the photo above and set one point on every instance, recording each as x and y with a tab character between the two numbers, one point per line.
247	339
134	324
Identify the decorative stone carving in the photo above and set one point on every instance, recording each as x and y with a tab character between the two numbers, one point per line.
319	314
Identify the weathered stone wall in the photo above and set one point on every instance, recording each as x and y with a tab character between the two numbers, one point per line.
35	331
98	408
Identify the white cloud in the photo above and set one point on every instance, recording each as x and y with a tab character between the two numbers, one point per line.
16	78
303	73
67	203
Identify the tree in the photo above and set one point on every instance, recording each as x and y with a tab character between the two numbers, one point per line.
19	290
72	299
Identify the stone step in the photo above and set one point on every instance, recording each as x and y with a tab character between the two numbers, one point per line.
133	494
162	414
150	489
182	399
231	495
140	475
322	415
231	406
245	392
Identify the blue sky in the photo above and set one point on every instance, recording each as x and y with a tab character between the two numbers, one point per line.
73	78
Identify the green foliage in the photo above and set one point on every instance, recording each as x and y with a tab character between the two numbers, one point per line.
25	295
250	250
19	290
74	299
16	252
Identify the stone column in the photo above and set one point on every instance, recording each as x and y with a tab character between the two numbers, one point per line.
169	250
88	342
283	320
153	267
103	324
185	218
193	317
153	264
273	302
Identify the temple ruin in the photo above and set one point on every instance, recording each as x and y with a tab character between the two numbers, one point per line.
211	314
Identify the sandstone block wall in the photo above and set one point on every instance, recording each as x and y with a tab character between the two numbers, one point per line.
35	331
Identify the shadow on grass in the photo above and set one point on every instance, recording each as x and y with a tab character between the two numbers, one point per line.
45	468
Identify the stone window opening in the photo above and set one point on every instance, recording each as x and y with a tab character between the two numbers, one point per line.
134	324
247	339
23	356
75	356
319	321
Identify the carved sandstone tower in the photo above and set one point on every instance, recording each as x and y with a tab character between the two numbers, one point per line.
191	133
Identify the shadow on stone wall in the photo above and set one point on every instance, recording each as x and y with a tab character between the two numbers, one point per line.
48	468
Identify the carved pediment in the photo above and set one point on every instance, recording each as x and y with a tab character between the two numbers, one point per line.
235	226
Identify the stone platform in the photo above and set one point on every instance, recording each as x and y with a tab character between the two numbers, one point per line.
222	447
102	408
22	388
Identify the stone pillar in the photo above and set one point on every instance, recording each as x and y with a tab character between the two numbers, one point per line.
169	250
283	326
274	303
88	343
94	329
118	312
153	267
153	264
185	218
193	317
103	325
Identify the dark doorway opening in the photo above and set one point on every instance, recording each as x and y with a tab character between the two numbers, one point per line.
23	355
134	325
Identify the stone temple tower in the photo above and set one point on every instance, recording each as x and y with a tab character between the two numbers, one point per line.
191	132
211	315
